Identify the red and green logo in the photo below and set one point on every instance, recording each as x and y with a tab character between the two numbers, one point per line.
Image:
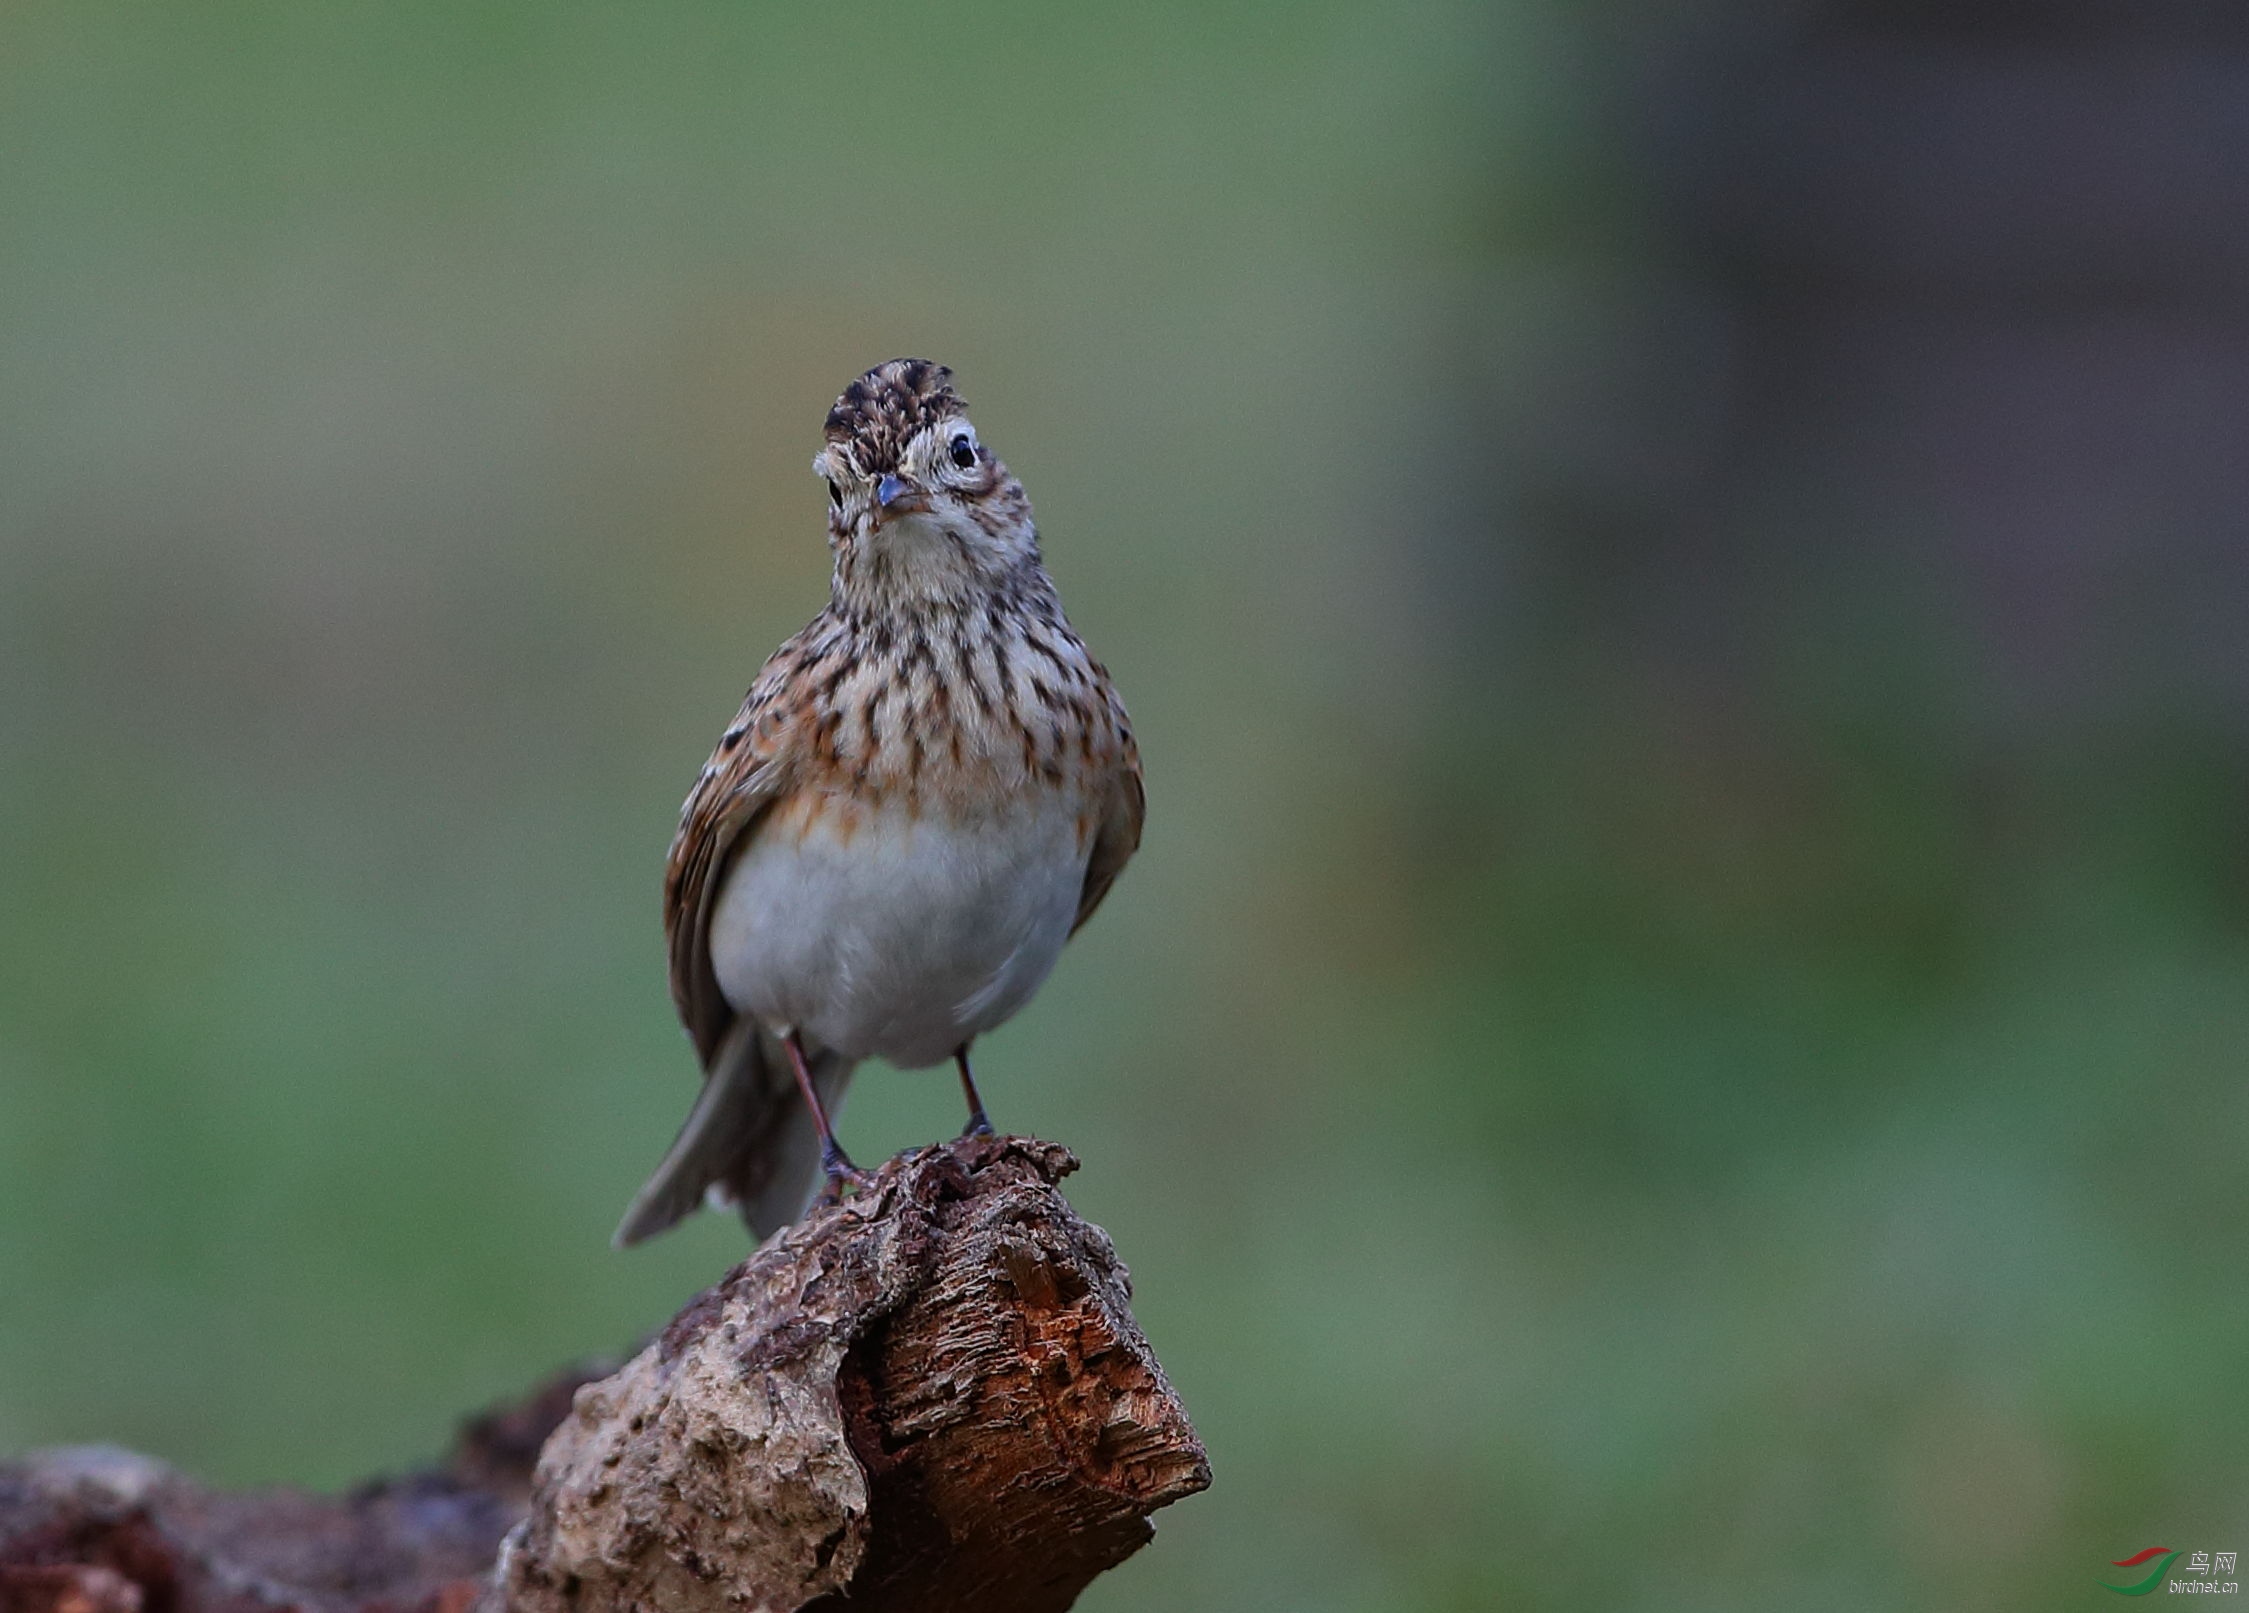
2155	1577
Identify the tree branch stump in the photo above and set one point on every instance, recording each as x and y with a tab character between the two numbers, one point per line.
932	1397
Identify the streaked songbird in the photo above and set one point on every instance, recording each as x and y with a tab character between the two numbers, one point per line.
926	792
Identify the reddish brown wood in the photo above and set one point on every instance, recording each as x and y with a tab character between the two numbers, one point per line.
933	1397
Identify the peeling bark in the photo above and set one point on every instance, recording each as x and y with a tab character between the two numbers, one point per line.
931	1397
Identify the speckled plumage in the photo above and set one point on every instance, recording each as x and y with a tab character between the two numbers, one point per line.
927	789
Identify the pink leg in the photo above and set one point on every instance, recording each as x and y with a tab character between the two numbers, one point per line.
978	1125
833	1160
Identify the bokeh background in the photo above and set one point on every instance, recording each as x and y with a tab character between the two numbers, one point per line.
1677	1037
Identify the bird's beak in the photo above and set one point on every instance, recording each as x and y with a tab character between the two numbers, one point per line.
894	496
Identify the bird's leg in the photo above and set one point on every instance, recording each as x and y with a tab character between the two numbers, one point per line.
834	1162
978	1124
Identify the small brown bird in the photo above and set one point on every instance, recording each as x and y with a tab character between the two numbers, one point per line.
927	791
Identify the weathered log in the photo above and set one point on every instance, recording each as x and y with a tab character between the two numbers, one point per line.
931	1397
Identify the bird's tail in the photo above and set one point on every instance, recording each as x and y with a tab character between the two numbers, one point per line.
749	1141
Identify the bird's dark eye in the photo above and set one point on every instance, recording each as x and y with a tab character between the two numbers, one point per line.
835	495
964	452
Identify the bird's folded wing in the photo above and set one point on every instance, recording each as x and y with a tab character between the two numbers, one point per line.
739	784
1115	839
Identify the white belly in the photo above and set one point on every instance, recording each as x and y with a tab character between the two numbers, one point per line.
903	937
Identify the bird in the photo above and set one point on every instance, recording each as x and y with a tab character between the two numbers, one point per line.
927	791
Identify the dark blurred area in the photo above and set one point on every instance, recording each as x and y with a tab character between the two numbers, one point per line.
1676	1038
1942	308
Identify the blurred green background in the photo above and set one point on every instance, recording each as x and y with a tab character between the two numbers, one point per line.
1676	1040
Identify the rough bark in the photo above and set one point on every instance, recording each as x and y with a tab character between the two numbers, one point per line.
932	1397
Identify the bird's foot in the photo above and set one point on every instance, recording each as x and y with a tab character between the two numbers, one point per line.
849	1183
843	1180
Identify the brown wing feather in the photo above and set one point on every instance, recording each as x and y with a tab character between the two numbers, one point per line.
736	788
1116	839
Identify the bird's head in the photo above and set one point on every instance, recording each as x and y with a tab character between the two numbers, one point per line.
918	508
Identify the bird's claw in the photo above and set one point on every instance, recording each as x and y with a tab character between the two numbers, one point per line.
843	1180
